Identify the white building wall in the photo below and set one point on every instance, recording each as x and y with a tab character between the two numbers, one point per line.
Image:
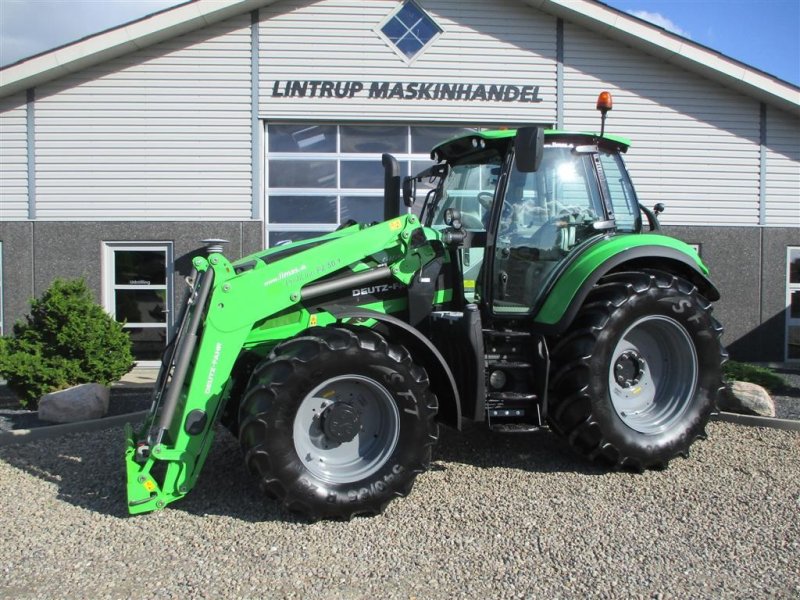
160	134
783	169
498	42
696	145
13	158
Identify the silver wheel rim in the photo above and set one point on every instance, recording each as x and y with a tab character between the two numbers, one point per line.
653	374
378	428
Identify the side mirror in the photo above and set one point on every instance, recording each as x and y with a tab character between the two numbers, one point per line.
409	191
529	147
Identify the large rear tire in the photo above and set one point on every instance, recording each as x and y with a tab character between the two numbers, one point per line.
637	375
337	422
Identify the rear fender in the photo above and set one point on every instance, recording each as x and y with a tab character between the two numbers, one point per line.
623	253
424	353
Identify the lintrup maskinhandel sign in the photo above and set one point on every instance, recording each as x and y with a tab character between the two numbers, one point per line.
415	90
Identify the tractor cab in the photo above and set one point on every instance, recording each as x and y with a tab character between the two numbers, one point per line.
526	210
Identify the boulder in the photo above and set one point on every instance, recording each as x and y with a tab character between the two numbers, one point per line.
747	399
79	403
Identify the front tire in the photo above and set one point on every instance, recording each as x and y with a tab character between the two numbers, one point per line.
639	371
337	422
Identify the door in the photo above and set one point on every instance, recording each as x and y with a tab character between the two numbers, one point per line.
544	215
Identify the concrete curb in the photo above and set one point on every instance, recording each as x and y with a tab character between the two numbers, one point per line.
23	436
756	421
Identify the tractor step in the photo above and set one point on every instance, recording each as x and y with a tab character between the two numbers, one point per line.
503	364
506	334
513	428
500	397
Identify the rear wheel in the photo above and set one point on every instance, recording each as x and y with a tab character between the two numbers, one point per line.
337	422
638	373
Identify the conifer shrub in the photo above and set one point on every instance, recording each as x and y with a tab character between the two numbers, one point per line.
67	339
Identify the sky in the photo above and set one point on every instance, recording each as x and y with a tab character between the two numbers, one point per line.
764	34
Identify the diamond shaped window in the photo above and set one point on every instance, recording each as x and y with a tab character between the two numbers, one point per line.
410	29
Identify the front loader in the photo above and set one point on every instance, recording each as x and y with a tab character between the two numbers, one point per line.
529	293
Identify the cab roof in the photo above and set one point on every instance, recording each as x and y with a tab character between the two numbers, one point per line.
468	143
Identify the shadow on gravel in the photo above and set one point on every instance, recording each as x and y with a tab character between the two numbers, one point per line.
85	468
88	469
538	452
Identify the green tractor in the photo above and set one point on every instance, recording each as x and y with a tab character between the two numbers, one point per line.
533	290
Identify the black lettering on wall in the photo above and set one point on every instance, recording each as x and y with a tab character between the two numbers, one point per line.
407	91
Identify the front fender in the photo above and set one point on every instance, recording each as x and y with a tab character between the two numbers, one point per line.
617	253
423	352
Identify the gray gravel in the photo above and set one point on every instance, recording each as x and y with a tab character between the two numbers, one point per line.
787	401
497	516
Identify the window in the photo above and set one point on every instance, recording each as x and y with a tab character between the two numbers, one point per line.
623	198
793	304
138	291
409	30
469	189
319	176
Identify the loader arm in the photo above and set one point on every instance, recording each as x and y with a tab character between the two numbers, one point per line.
233	306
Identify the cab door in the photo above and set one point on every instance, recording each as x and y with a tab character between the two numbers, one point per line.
544	216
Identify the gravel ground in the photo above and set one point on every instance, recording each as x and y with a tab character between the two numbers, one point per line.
787	403
497	516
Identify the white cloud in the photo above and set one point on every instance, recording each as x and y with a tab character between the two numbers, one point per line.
28	27
661	21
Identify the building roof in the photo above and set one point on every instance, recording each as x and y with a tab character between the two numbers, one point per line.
592	15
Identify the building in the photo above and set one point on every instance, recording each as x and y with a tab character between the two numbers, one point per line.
259	120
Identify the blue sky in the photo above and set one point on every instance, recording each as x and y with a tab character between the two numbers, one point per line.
762	33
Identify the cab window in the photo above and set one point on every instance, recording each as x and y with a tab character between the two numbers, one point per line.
469	189
623	198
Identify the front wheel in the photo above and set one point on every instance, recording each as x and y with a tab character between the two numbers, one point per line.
337	422
639	371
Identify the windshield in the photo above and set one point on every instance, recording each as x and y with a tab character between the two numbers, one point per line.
468	188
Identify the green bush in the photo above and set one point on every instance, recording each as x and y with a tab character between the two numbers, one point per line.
763	376
66	340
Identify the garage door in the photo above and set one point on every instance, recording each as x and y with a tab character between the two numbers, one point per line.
321	175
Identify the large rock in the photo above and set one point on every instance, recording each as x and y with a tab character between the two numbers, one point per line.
79	403
747	399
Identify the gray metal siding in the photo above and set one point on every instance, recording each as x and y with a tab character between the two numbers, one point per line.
695	146
783	170
160	134
482	42
13	158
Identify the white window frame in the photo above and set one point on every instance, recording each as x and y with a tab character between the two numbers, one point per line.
109	286
790	287
408	60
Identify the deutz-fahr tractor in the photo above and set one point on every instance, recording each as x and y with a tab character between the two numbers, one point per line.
533	290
